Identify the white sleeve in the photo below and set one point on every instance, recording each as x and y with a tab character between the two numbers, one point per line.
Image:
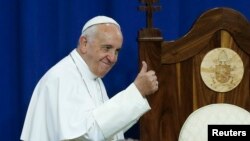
121	111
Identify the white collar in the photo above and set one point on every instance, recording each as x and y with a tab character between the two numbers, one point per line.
83	67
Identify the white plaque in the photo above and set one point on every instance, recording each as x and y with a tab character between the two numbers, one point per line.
222	69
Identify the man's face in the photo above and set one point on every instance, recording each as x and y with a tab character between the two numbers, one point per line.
101	51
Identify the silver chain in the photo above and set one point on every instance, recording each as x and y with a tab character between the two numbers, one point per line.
86	83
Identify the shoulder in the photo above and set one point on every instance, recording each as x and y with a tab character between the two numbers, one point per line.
63	72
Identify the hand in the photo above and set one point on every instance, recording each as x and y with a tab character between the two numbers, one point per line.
146	81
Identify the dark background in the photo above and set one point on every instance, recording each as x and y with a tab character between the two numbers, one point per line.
36	34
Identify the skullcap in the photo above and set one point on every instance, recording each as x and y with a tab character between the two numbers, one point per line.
99	20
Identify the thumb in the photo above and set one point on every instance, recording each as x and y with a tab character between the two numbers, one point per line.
144	67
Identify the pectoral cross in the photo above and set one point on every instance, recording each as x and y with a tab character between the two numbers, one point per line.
149	8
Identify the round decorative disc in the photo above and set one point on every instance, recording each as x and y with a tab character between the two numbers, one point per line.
222	69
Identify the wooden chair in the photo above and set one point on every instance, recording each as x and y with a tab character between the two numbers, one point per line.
177	65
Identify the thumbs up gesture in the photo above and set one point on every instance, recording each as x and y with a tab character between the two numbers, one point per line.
146	81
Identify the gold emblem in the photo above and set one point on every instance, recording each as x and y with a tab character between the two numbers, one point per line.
222	69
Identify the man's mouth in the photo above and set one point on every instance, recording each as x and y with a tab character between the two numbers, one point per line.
106	63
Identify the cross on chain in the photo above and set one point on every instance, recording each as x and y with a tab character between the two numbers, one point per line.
149	8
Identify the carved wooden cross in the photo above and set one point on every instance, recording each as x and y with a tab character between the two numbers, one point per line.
149	8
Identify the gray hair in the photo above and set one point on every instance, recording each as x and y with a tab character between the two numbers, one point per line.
90	32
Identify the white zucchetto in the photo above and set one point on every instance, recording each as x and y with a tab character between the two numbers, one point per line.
99	20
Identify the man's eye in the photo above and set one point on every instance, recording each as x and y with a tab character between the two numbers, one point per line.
117	51
106	48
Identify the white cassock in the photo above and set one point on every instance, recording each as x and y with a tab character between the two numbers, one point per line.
69	102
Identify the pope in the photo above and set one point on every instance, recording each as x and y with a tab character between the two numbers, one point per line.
70	101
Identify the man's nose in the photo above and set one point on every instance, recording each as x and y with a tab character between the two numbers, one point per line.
112	56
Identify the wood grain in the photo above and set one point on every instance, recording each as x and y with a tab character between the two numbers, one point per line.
177	65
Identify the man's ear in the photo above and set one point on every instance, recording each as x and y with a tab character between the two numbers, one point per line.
83	44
